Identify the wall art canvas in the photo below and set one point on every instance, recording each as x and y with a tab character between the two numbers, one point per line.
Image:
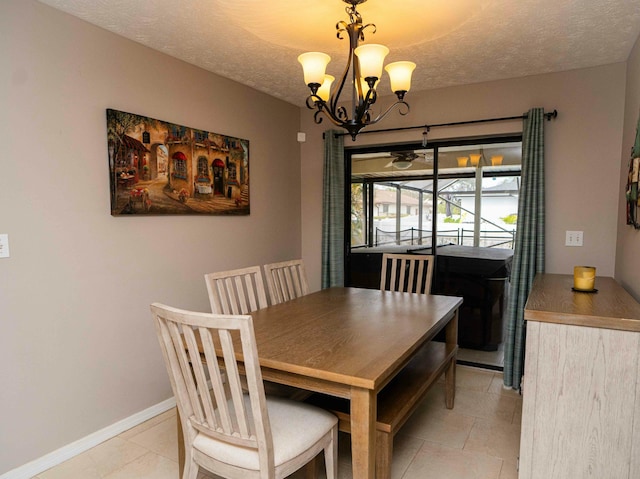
160	168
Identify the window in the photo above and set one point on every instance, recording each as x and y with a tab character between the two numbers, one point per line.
474	186
232	171
179	165
200	136
177	131
358	208
203	168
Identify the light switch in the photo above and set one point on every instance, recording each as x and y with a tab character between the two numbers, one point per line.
573	238
4	246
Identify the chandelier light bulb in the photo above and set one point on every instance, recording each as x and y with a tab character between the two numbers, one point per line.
475	159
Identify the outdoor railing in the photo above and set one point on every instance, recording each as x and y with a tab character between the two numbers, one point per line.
415	236
411	236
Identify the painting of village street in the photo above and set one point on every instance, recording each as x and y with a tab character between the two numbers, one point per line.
159	168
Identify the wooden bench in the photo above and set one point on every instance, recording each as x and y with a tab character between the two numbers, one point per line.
400	398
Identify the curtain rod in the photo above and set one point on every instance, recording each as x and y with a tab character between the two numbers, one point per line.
549	116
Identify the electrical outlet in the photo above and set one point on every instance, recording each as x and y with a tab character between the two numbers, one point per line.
574	238
4	246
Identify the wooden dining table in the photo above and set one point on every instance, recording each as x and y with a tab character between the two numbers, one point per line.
349	343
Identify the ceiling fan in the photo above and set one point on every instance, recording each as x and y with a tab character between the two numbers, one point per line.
403	160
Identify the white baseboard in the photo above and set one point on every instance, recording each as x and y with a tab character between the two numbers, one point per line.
35	467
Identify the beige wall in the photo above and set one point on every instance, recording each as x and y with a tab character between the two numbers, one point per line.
77	346
582	148
628	257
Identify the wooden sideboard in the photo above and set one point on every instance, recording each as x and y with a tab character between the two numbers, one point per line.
581	393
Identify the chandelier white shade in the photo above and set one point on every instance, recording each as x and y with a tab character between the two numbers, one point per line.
371	58
400	75
496	160
325	89
365	64
314	65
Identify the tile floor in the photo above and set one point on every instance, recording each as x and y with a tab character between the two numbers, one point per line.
493	359
478	439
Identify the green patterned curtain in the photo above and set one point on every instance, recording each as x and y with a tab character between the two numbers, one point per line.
636	144
528	256
631	194
333	210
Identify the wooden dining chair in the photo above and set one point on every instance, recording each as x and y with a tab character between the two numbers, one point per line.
241	291
227	431
409	273
286	280
238	291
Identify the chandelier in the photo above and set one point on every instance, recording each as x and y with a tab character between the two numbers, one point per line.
365	63
478	158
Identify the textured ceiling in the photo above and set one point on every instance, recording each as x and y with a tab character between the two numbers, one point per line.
454	42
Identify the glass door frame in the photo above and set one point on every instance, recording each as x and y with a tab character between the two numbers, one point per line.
435	145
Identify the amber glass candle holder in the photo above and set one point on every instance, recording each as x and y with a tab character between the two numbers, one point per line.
584	278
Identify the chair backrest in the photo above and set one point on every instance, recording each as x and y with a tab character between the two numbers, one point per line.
239	291
286	280
200	350
409	273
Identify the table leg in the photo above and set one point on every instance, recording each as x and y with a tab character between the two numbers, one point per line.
451	338
384	454
363	432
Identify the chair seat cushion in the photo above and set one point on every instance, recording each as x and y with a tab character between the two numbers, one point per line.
295	427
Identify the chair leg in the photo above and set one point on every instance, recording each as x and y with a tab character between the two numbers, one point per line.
181	459
331	455
191	470
191	467
311	469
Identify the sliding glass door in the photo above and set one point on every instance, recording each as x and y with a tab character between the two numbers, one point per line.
455	200
474	187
